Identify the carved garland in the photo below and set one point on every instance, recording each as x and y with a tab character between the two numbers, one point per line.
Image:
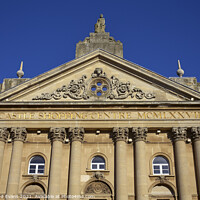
98	85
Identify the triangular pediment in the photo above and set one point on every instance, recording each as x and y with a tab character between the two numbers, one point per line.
99	76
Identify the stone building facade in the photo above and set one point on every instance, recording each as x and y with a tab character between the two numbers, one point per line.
100	127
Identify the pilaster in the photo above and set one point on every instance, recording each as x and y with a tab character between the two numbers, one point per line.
179	133
196	148
76	136
120	138
57	136
139	136
18	136
181	163
195	133
4	134
120	134
3	138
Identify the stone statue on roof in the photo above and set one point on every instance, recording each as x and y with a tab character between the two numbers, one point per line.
100	25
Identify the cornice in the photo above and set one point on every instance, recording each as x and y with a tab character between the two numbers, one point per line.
99	103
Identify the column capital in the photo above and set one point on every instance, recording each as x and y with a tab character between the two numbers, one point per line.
195	133
76	134
120	134
4	134
18	134
179	133
139	134
57	134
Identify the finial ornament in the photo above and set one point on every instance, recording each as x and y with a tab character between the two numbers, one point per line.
100	25
180	71
20	72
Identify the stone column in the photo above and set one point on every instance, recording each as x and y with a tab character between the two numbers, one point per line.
196	149
141	187
181	163
3	138
76	137
57	136
120	137
18	136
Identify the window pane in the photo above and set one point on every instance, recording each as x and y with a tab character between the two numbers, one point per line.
165	171
156	167
160	160
98	159
102	166
37	159
165	167
32	166
41	171
156	171
94	166
40	166
32	171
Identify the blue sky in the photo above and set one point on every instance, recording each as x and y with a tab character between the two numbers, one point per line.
44	33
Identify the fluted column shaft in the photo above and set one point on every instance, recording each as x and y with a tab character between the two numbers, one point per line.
76	137
120	137
196	147
181	163
57	136
141	188
18	136
3	137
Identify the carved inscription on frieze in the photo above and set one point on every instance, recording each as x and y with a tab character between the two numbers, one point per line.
101	115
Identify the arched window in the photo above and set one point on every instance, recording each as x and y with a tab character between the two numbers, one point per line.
98	163
36	165
160	166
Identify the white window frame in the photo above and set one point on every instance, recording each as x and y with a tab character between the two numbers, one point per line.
160	166
36	167
98	164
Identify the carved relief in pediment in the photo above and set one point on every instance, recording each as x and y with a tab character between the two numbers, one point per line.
98	187
97	86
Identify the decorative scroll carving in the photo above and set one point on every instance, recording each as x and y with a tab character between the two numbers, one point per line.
57	134
75	90
179	133
139	134
76	134
18	134
120	134
98	187
108	88
122	90
195	133
3	134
